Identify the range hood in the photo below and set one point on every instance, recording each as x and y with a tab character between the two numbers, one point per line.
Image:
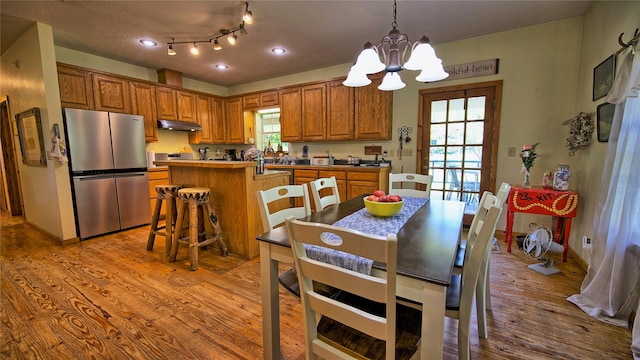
178	125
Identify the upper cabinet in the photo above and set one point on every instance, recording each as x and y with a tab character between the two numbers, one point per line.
186	106
291	114
260	100
373	111
203	118
340	111
111	93
314	112
218	121
143	102
235	121
76	90
167	103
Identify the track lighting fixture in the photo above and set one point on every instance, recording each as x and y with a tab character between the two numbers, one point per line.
248	15
247	18
423	58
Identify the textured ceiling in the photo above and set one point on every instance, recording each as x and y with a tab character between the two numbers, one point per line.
315	33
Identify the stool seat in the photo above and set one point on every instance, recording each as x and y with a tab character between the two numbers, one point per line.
191	200
168	193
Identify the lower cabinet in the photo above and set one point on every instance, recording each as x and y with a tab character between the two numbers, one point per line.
363	183
157	177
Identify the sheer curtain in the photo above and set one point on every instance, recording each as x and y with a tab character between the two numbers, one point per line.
610	288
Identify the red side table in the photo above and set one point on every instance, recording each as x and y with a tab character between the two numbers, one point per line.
562	205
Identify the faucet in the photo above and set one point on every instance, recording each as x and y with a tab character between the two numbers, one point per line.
376	159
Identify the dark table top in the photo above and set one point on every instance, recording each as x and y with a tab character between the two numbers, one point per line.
427	243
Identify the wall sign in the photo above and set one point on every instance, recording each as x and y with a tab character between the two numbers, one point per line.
31	141
478	68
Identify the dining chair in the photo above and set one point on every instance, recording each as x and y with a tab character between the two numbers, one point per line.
320	202
364	320
463	287
275	206
423	181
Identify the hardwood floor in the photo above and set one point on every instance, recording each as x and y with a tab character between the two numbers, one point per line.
109	298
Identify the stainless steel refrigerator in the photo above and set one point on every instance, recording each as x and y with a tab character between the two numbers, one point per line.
108	168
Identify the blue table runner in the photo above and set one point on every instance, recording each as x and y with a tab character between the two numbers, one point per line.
362	221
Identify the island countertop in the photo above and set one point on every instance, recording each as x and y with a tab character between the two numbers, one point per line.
219	164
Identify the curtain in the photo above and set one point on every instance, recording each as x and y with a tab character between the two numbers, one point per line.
610	289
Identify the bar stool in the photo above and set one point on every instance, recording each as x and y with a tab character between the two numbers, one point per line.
192	199
166	193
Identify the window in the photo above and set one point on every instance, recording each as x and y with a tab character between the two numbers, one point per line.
268	123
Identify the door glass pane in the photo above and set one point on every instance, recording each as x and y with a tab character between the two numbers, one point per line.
454	157
476	108
475	132
438	134
436	156
437	183
456	134
473	157
456	110
439	111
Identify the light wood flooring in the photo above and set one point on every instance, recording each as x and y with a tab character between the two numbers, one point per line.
109	298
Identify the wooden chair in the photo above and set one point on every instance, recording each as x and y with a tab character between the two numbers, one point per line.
462	289
321	202
275	206
421	185
364	321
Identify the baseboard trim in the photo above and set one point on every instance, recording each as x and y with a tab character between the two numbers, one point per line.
56	239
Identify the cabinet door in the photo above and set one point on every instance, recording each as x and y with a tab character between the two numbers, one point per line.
291	114
340	111
235	121
373	112
314	112
75	88
218	122
341	180
111	93
203	118
269	98
251	101
143	102
187	106
304	176
361	183
167	103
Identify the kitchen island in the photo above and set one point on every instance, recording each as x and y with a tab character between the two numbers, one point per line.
233	186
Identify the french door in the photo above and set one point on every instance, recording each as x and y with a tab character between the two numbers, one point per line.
458	141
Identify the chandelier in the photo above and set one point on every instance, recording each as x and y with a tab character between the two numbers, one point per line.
423	57
232	38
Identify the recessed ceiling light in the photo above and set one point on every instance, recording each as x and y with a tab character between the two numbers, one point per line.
149	43
222	67
278	51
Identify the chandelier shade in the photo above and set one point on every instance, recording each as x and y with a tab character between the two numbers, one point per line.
393	48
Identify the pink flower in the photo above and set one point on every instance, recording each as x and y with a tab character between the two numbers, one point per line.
527	147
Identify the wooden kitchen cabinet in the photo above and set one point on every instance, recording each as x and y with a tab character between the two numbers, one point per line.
143	102
186	105
260	100
314	112
157	176
373	111
304	176
291	114
218	121
111	93
76	90
167	103
341	180
204	118
235	121
363	183
340	111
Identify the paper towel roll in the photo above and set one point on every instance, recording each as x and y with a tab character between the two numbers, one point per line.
151	157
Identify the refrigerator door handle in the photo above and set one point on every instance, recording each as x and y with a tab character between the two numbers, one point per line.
93	177
130	174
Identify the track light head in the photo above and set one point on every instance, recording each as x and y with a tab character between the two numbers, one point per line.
170	50
194	49
233	38
248	15
216	45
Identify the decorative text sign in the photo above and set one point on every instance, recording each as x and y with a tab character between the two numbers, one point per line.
478	68
544	202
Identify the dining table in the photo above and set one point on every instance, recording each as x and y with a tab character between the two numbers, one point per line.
427	244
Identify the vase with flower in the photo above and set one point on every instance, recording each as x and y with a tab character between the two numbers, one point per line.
528	155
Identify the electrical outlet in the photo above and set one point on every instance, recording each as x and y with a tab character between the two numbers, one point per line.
407	152
511	152
392	153
586	243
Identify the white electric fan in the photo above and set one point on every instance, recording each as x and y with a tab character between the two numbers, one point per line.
537	244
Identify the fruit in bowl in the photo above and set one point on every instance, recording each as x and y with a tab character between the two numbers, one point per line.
383	205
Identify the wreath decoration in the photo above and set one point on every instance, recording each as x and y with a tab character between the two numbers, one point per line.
580	130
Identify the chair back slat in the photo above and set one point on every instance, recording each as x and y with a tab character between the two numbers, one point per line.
420	185
281	198
322	202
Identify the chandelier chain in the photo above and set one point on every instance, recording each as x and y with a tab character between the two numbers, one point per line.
394	24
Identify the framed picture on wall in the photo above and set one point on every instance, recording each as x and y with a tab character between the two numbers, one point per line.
31	141
605	119
603	75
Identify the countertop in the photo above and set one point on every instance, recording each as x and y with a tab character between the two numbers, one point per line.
219	164
328	167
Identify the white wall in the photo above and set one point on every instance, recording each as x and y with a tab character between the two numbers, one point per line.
29	78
